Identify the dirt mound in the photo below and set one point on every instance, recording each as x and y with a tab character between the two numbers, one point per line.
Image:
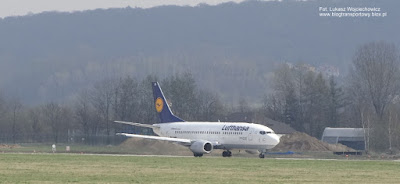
7	146
153	147
303	142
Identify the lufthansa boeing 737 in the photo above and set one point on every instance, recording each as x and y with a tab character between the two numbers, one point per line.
203	137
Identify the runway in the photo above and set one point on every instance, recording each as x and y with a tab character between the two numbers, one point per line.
207	157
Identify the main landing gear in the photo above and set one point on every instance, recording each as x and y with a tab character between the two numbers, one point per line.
197	154
227	153
262	153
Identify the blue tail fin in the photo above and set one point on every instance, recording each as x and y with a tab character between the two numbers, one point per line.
162	106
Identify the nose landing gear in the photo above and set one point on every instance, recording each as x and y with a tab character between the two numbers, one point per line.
262	153
227	153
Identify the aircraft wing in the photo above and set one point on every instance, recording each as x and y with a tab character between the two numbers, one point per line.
135	124
178	140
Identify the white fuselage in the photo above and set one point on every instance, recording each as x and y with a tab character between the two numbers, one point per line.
225	135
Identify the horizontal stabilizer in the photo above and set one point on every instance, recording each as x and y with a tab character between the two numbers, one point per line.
135	124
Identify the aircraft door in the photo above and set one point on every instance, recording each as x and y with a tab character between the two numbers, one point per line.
250	136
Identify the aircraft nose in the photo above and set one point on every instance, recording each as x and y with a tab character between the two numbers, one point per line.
275	139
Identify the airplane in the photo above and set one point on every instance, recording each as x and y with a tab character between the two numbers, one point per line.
202	137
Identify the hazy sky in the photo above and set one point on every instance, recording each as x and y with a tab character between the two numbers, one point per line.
23	7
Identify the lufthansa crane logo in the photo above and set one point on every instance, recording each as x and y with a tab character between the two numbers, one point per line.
159	104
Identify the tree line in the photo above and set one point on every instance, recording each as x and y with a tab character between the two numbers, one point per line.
368	97
309	101
92	111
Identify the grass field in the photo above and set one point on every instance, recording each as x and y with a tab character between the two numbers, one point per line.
75	168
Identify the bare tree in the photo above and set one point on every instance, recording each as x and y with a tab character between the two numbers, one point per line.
374	81
376	69
83	112
243	105
126	100
393	125
34	116
360	107
101	99
273	107
147	114
210	107
366	123
15	106
180	91
52	114
3	126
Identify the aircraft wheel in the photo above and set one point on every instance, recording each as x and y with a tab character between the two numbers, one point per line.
197	154
227	153
262	155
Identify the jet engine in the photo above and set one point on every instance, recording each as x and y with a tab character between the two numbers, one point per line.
201	147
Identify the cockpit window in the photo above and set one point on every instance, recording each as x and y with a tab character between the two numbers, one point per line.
264	132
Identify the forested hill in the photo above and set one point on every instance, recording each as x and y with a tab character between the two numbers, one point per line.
230	48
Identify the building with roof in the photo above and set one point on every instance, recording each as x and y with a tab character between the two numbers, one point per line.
350	137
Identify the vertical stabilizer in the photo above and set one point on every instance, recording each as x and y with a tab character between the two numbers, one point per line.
161	105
